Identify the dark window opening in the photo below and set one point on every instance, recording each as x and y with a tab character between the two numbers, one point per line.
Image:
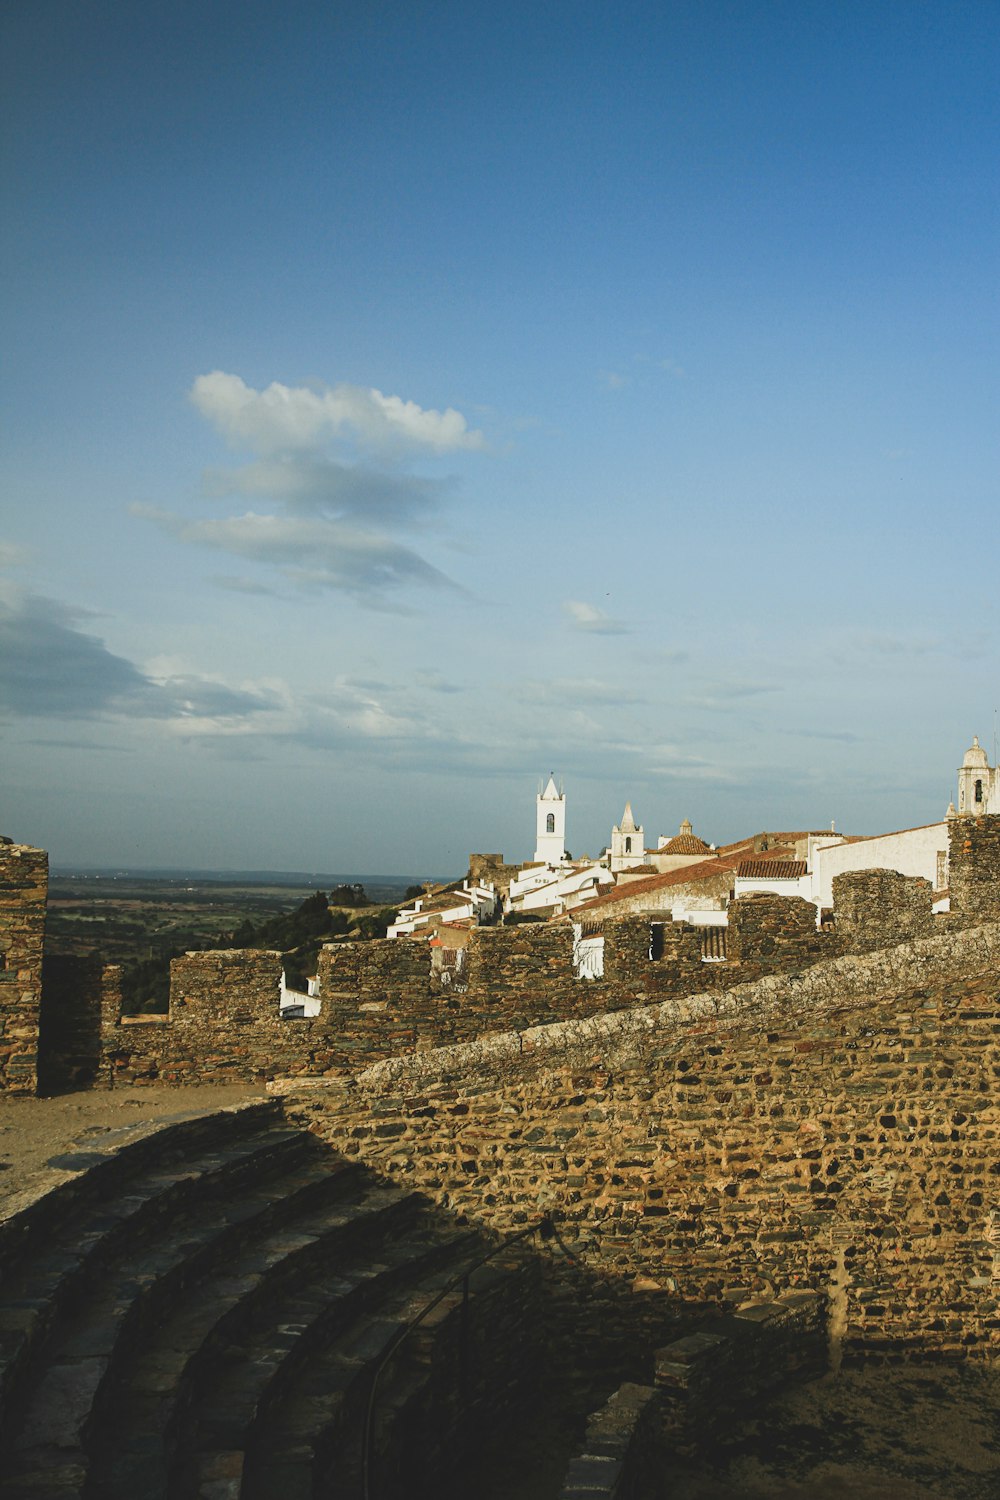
550	823
978	792
656	940
628	846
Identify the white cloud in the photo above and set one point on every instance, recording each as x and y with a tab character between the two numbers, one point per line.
285	418
589	618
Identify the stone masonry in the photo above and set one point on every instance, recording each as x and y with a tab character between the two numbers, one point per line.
974	867
876	908
383	999
835	1130
24	874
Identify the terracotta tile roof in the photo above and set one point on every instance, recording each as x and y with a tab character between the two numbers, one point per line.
685	843
771	869
704	870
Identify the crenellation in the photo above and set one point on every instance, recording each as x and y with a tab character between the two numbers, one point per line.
24	874
974	866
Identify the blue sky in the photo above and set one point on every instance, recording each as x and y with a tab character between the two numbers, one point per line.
402	402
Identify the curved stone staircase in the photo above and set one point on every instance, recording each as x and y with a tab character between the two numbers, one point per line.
203	1313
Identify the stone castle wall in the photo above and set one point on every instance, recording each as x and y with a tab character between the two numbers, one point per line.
776	931
835	1130
381	999
384	999
24	878
974	867
878	907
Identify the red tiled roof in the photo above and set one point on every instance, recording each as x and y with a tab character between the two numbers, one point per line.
771	869
685	843
704	870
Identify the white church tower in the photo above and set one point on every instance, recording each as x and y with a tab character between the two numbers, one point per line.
550	825
978	783
627	847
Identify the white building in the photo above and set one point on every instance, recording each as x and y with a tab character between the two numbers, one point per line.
472	903
541	888
779	877
293	1003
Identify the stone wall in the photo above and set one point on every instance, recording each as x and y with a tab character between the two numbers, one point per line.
876	908
24	880
834	1131
382	999
776	932
492	870
974	867
512	972
709	1380
223	1024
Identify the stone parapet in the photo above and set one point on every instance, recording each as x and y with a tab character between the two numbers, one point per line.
24	879
974	867
879	908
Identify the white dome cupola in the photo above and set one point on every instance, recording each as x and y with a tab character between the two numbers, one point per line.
978	783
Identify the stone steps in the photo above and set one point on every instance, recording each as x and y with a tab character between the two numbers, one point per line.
206	1322
330	1351
313	1441
53	1265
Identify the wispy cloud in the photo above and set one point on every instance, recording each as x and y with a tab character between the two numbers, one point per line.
588	617
309	484
721	696
887	643
315	553
11	555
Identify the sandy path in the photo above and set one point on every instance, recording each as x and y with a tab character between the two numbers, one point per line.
33	1130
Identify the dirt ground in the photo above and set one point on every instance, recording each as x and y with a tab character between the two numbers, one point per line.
33	1130
886	1433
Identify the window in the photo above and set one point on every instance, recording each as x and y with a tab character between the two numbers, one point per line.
628	846
977	795
550	823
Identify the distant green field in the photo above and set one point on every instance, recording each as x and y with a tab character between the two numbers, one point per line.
142	921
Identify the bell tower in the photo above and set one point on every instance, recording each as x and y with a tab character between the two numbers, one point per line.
627	846
550	825
978	783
